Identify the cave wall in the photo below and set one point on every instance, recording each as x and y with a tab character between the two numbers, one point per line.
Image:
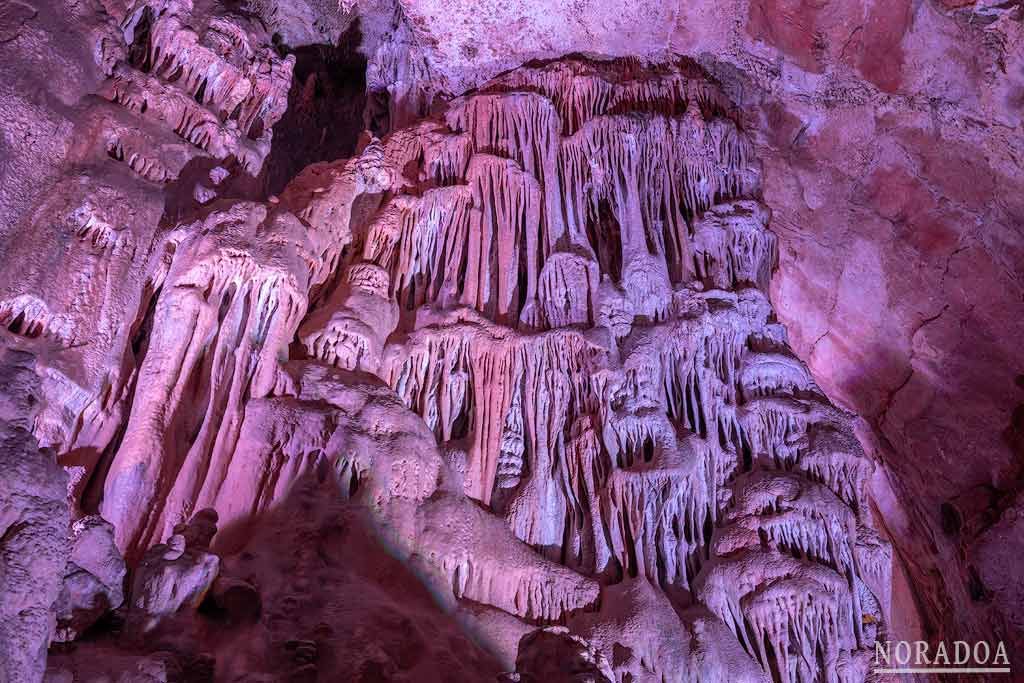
890	134
518	285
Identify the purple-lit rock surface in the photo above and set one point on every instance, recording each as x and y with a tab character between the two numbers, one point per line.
435	340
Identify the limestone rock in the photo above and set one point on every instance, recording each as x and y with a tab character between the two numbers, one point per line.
553	374
176	575
34	549
94	578
558	286
553	654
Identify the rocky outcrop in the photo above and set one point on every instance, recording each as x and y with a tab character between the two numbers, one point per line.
34	521
93	580
530	340
553	654
174	575
507	389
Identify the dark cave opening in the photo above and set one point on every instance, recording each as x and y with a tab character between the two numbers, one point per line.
139	47
605	237
326	105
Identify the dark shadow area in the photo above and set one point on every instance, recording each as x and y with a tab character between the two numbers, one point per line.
605	237
547	656
336	597
314	594
325	108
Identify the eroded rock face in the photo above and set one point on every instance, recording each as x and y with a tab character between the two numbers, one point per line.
512	365
93	580
527	343
34	521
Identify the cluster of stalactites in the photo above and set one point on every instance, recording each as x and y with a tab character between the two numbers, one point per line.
799	619
217	85
526	404
582	90
190	120
467	380
568	284
504	212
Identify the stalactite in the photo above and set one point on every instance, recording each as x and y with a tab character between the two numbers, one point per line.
558	287
510	461
638	433
239	286
732	247
804	611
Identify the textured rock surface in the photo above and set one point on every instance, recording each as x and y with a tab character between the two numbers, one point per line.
891	138
506	391
33	527
175	575
93	580
899	277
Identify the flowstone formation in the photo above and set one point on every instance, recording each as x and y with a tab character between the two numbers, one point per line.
579	269
186	110
501	397
523	345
